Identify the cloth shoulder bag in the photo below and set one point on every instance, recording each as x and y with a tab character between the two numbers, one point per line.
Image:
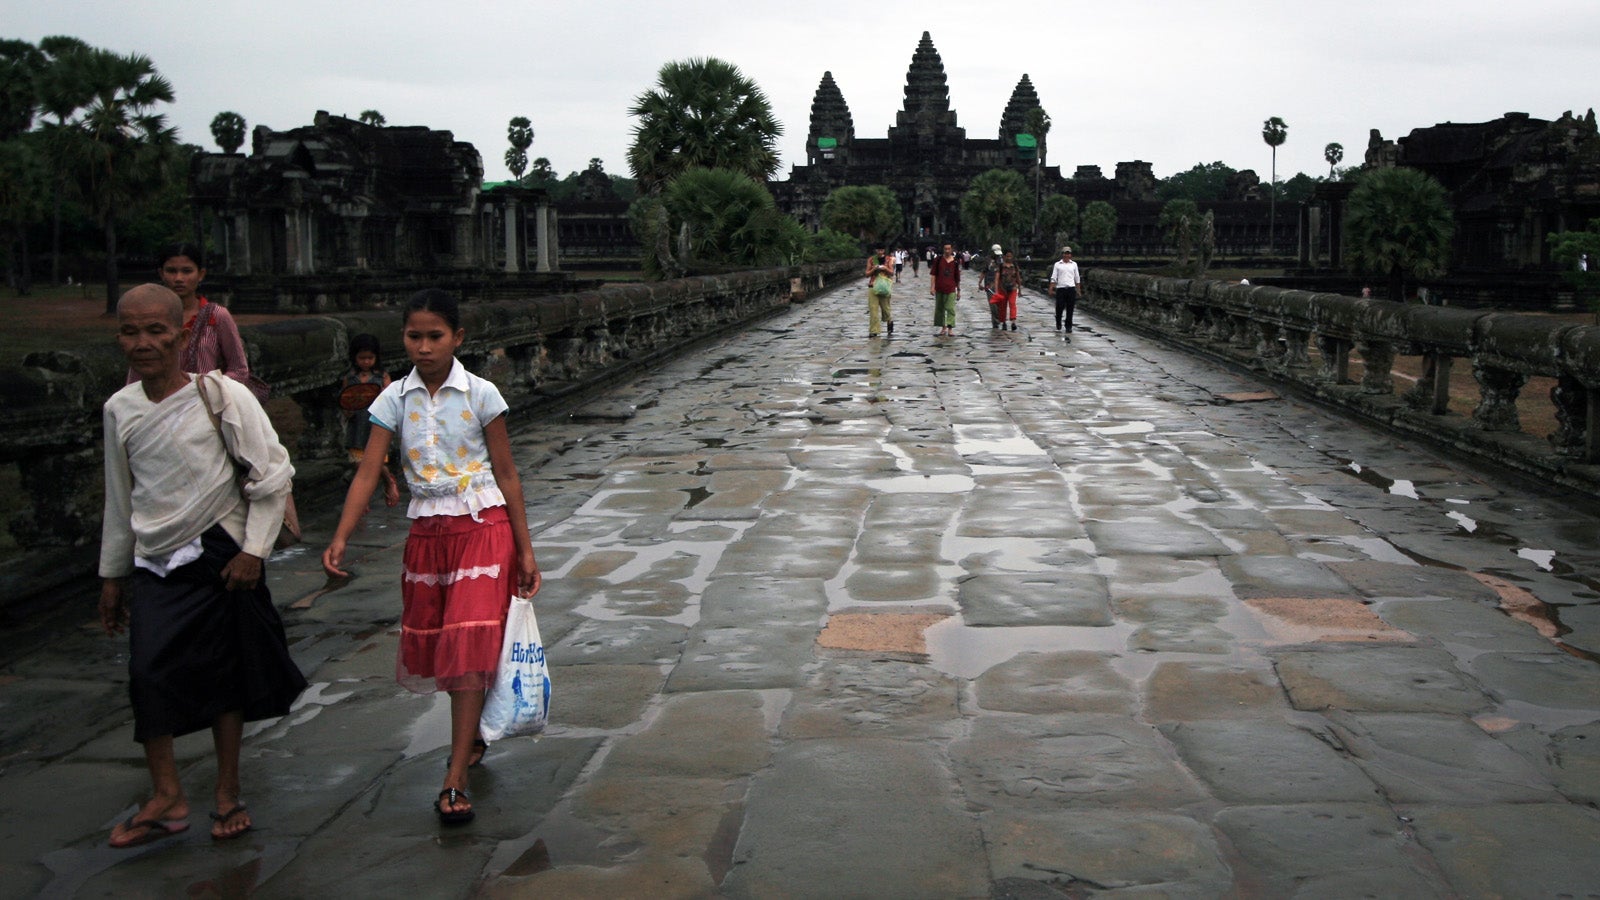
289	534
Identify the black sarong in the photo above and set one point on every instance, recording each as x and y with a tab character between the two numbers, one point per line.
197	650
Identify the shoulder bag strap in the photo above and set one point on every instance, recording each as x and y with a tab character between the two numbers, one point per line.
191	352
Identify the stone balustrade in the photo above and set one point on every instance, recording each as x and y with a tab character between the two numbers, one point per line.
540	351
1274	331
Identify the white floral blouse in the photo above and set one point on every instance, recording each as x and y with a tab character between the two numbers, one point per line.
442	447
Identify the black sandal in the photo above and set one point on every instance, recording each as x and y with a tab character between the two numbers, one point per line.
452	797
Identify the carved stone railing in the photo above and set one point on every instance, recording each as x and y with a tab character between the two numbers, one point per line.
1273	331
540	351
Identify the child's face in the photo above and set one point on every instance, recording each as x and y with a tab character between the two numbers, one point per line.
431	343
365	360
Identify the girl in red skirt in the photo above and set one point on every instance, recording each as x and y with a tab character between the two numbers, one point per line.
469	548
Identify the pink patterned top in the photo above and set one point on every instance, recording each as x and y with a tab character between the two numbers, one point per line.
214	344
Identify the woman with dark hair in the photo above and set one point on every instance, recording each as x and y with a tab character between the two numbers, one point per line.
469	547
214	341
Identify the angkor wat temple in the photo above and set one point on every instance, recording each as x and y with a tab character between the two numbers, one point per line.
928	161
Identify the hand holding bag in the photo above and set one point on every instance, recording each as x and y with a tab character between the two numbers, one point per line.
519	701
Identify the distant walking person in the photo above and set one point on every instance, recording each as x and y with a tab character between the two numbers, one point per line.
196	482
991	271
944	273
1064	281
1007	283
880	280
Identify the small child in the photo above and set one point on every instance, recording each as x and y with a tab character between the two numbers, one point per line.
364	382
469	547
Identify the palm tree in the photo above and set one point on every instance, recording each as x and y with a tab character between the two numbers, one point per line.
372	117
1333	153
227	129
120	147
994	210
1038	125
702	112
1274	132
1399	222
520	133
62	87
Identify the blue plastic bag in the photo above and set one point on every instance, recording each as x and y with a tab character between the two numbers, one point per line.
519	701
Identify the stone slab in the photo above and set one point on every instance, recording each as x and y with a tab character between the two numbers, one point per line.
1055	683
1513	850
1192	691
1106	850
1377	679
1439	759
815	820
1038	599
1327	850
1268	761
1166	538
1047	762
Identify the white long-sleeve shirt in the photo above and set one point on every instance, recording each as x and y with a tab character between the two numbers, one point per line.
169	477
1064	274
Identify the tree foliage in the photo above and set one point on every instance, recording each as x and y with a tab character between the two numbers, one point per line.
870	213
828	245
1192	233
1204	183
1333	153
372	117
118	147
227	129
702	113
1567	248
714	220
996	207
1099	222
520	133
1058	219
1399	222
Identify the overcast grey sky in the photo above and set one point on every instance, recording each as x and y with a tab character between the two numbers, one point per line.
1173	82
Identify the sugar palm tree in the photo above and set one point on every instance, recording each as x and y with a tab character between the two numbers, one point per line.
227	129
63	88
1274	131
120	147
702	112
994	210
520	133
1399	223
1333	153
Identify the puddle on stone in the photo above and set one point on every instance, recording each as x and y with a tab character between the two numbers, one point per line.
1466	522
1126	428
431	730
965	651
1544	559
923	484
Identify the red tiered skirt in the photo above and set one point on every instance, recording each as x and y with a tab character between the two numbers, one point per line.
457	586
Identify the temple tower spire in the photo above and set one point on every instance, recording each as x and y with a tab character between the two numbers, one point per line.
831	126
927	116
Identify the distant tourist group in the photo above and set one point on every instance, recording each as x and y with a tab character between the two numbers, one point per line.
1000	282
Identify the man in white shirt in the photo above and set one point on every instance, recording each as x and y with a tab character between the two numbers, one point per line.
1064	281
193	505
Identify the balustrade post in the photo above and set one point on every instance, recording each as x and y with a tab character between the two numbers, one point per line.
1497	407
1573	403
1335	354
1377	359
1296	348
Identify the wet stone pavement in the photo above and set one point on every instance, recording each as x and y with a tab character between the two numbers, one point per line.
998	615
